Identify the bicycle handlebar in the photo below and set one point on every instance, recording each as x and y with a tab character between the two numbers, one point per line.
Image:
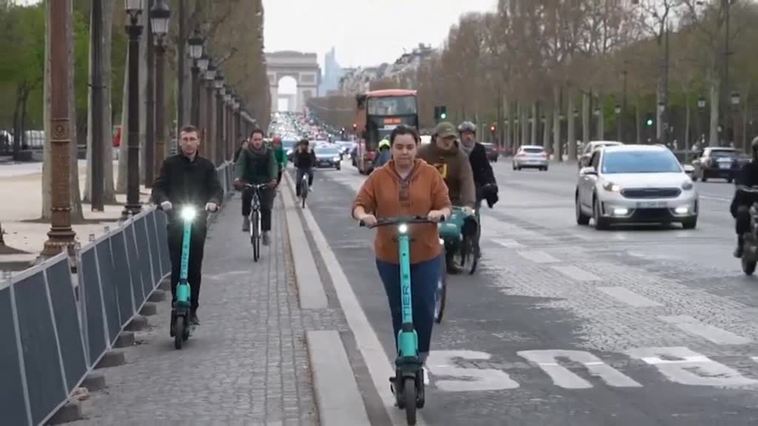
746	188
400	220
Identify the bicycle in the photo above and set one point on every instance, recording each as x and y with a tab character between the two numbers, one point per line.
408	383
461	247
255	216
440	293
304	188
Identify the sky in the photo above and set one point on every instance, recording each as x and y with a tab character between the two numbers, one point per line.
363	32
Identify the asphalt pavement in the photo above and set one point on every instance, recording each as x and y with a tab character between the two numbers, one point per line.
566	325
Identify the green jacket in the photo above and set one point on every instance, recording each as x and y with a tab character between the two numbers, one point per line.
257	167
281	157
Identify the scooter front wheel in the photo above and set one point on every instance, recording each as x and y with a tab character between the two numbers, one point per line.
179	326
409	399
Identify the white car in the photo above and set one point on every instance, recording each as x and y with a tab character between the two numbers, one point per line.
530	156
635	184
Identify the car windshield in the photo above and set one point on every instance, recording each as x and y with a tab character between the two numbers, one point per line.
533	150
723	153
326	151
640	162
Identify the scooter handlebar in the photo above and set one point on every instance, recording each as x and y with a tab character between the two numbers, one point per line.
400	220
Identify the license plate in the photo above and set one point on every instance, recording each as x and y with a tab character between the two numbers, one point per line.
650	204
725	166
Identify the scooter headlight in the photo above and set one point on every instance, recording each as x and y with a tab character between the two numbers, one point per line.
188	213
403	228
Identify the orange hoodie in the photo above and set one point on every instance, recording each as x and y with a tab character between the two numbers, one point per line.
385	194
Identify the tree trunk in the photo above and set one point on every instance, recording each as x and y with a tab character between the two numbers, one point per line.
557	124
546	129
713	139
571	128
535	124
123	151
585	117
637	119
109	195
76	205
143	75
687	120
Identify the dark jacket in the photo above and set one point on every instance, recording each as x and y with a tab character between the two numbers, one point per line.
304	160
748	176
183	181
257	166
384	157
483	175
455	169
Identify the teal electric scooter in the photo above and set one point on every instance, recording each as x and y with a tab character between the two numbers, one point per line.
408	383
181	327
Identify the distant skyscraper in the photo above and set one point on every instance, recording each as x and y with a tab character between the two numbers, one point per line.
332	73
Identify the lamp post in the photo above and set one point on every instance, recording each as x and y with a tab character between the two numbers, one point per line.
210	139
700	110
228	130
159	20
195	50
60	235
218	84
134	29
97	184
617	110
149	103
734	99
202	66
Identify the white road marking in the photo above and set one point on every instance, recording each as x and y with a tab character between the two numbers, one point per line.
508	243
708	197
442	363
538	256
629	297
575	273
706	331
691	368
547	360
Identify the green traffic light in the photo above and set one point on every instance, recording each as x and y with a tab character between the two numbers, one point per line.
443	116
649	122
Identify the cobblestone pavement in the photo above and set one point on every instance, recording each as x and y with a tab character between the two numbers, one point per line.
247	362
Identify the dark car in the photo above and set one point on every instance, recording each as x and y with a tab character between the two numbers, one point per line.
328	157
717	162
491	150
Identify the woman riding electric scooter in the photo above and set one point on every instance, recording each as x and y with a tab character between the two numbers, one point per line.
407	188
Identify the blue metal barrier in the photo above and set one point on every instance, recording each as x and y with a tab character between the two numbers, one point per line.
51	338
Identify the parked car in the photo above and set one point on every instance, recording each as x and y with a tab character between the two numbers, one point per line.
635	184
492	152
589	148
717	162
530	157
328	157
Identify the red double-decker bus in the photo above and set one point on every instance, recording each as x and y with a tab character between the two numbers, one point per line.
378	113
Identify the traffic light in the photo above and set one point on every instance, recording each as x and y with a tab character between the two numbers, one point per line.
440	113
649	120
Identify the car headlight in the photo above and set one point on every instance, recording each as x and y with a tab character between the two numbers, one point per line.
188	213
336	159
610	186
687	185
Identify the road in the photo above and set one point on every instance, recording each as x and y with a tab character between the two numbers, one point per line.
566	325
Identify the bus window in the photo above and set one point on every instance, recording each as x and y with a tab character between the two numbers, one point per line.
402	105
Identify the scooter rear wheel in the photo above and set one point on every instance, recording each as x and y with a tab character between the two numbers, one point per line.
440	296
409	398
179	332
748	265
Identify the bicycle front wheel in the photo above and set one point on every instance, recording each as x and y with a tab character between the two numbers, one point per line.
255	238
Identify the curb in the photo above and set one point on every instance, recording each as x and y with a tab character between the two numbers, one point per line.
310	293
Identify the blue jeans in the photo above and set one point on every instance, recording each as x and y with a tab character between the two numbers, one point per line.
424	277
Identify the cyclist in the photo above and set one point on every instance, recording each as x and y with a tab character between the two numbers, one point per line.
740	207
384	153
484	178
281	157
407	186
304	160
257	165
187	179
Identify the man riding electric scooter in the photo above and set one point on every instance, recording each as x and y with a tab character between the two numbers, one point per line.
187	180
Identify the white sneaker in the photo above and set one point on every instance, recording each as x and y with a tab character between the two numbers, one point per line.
426	376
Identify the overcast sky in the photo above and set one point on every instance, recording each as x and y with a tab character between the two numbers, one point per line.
364	32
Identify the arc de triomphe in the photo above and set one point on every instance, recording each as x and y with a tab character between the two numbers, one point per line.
303	67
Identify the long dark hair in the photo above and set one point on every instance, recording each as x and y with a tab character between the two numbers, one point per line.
404	130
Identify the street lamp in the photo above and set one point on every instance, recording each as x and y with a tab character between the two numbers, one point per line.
617	110
735	98
701	102
61	235
134	29
210	78
203	62
195	50
661	107
218	84
159	23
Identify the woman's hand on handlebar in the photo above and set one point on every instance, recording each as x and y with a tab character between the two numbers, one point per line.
437	215
368	220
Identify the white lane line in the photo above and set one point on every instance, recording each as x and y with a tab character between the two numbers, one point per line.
708	197
538	256
575	273
693	326
629	297
508	243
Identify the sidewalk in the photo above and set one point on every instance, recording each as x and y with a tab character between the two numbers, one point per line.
248	361
21	189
